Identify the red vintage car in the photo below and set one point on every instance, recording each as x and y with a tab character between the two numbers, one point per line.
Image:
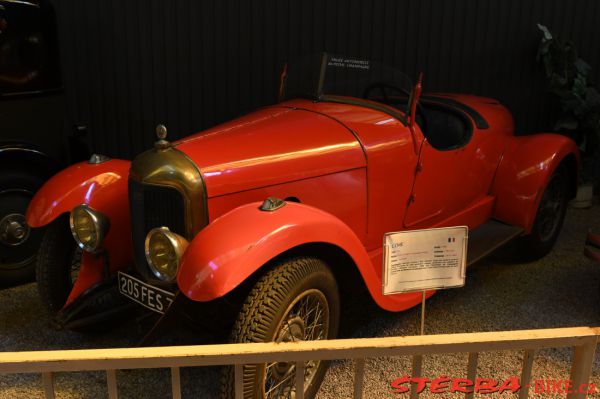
261	222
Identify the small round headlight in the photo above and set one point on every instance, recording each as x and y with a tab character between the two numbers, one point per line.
164	249
89	227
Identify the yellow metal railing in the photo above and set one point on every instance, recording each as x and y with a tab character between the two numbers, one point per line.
582	339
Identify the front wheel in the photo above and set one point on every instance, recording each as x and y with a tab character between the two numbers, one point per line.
297	300
549	218
57	265
18	243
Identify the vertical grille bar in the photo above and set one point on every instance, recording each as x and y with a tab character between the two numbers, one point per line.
153	206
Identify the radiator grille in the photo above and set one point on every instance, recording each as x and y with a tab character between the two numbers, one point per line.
153	206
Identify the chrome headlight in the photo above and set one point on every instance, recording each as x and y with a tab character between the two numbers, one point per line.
89	227
164	250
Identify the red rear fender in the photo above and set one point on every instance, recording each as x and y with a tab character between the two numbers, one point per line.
524	172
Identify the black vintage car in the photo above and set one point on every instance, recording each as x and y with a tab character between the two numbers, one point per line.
32	144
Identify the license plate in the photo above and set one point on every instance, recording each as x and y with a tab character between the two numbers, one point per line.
145	294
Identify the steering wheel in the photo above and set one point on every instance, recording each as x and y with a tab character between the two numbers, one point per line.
383	87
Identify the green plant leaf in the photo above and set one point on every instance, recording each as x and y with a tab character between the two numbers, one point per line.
582	67
567	79
545	31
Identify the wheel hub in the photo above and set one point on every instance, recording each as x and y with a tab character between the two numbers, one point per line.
14	229
292	331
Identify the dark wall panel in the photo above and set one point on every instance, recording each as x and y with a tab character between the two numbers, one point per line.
129	65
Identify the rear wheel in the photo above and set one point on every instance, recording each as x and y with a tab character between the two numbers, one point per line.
549	218
296	301
18	243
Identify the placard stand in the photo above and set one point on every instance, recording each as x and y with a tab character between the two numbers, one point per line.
423	314
420	261
417	361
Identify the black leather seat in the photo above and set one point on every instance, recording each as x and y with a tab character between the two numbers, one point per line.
446	128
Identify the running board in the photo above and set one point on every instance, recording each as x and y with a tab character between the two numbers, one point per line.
488	237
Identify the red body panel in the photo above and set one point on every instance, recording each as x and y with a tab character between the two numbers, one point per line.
399	196
104	188
524	172
343	195
271	146
391	159
451	181
454	182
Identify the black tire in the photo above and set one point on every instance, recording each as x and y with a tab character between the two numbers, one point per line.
284	294
549	218
17	259
57	262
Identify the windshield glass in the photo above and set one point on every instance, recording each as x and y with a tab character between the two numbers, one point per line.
323	76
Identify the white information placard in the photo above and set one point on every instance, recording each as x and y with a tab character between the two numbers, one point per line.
419	260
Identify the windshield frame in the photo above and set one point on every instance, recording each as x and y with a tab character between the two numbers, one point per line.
308	79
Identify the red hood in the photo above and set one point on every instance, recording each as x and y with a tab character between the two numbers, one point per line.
271	146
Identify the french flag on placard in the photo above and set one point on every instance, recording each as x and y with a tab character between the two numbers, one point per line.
451	239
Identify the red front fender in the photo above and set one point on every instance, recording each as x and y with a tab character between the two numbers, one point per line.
238	243
104	188
525	170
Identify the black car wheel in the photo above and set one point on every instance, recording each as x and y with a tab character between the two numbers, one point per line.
18	243
549	218
298	300
57	264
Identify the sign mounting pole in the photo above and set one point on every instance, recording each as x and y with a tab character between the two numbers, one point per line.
417	361
421	260
423	314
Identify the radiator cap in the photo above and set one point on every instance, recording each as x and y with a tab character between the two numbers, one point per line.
161	135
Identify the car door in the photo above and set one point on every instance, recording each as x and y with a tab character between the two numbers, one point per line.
452	180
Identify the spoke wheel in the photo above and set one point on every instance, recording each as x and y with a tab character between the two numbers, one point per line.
553	205
549	218
296	301
306	319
